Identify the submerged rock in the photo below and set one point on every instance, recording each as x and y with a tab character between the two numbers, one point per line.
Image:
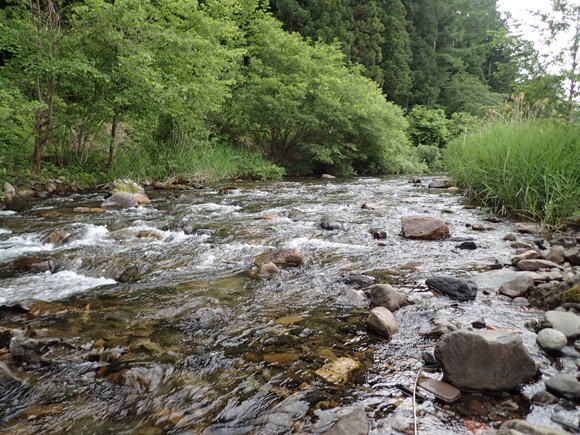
382	321
355	423
457	288
383	295
27	265
424	227
484	360
55	237
491	281
331	226
281	257
359	281
440	184
375	207
340	371
268	270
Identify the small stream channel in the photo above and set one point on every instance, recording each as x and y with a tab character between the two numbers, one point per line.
174	333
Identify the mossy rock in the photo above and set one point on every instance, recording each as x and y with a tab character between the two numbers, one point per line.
126	185
572	295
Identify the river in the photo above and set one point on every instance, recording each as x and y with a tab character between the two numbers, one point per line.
196	343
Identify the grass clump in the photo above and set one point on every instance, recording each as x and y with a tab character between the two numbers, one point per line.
527	168
572	295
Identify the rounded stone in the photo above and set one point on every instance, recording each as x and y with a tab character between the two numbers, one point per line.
551	340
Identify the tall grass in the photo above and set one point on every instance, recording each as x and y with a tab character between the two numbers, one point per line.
522	166
207	162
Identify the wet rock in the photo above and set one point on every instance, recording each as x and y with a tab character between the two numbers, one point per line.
528	255
573	256
520	302
149	234
457	288
563	385
548	276
27	265
382	321
383	295
359	281
208	316
268	270
88	210
415	180
424	227
288	320
519	245
50	187
331	226
328	177
556	254
527	229
532	265
355	423
282	359
127	186
522	427
491	281
378	235
197	186
130	274
478	227
544	397
567	323
429	358
340	371
375	207
8	197
510	238
281	257
142	199
467	245
55	237
440	184
6	375
9	189
120	201
40	194
484	360
551	340
453	189
270	216
24	192
31	349
517	287
159	185
440	389
441	330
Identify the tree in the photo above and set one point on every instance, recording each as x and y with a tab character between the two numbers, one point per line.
564	20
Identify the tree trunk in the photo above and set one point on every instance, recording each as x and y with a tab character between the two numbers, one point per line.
113	143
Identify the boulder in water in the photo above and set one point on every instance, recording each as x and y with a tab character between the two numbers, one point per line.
55	237
442	183
424	227
268	270
281	257
567	323
127	186
563	385
27	265
517	287
383	295
120	201
522	427
457	288
382	321
484	360
551	340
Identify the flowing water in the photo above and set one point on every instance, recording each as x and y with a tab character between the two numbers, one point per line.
176	334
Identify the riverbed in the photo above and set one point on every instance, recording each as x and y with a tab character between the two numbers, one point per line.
195	342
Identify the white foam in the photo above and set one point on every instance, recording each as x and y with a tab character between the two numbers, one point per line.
18	246
7	212
48	286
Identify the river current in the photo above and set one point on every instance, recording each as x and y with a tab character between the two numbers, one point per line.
196	343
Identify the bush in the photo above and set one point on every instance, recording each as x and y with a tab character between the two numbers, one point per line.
428	126
431	156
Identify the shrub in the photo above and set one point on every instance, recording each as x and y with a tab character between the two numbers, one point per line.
428	126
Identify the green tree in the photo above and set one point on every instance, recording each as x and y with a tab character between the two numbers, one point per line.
427	126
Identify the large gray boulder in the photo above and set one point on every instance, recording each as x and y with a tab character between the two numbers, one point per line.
517	287
424	227
567	323
119	201
457	288
565	386
484	360
355	423
382	321
383	295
